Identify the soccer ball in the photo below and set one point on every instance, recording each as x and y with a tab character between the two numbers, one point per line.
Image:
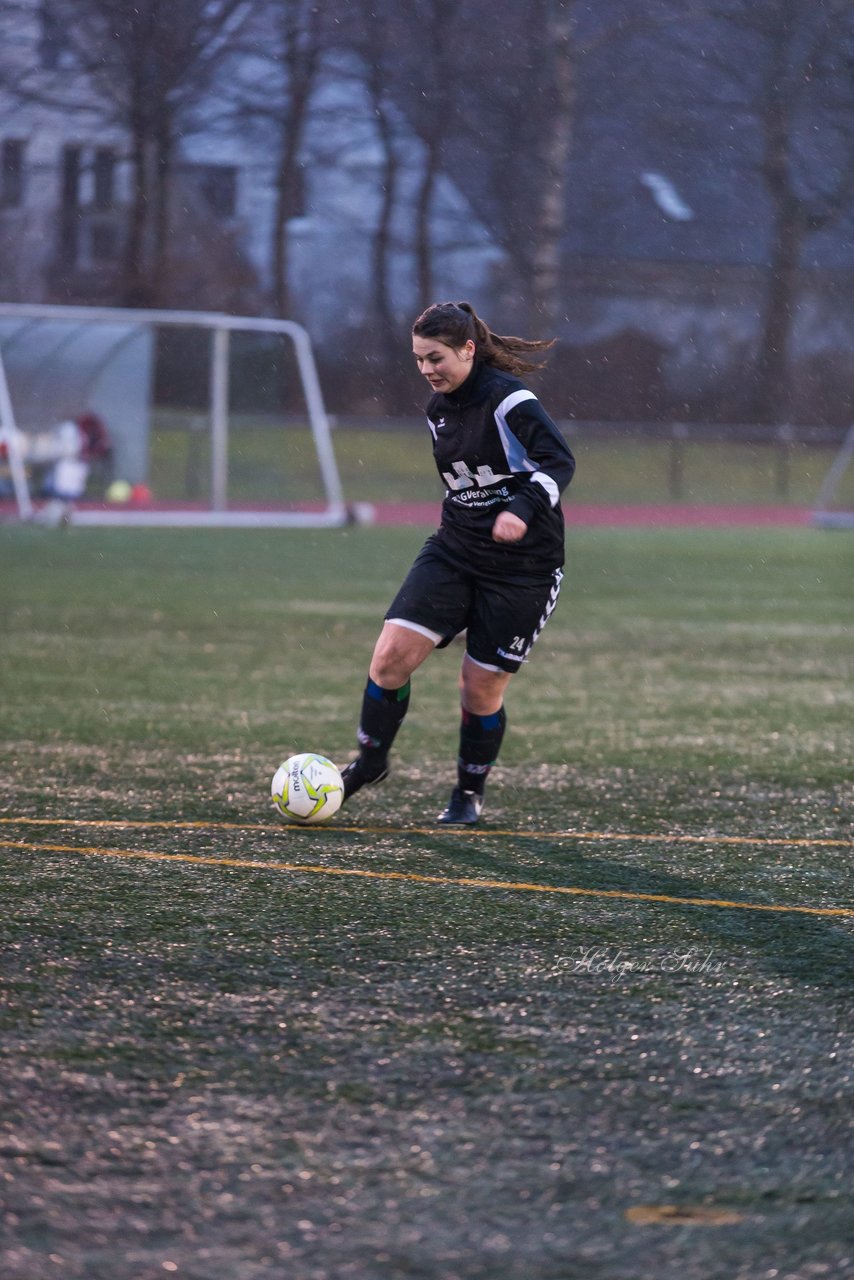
307	788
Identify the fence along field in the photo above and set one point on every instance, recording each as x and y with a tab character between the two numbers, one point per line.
382	461
606	1035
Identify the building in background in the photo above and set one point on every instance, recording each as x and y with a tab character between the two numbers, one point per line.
67	187
691	282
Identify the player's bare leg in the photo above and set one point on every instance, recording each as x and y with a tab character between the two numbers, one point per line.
397	653
482	689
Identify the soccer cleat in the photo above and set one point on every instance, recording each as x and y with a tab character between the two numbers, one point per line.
355	776
464	808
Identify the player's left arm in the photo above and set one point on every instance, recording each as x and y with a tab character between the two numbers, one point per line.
551	456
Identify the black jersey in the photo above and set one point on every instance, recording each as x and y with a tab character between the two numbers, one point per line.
497	450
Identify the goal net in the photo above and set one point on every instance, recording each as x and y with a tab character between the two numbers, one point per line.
243	437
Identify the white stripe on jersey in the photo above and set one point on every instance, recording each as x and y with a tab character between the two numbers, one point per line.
540	477
510	402
517	458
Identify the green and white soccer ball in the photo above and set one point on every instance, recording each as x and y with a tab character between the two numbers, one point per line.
307	788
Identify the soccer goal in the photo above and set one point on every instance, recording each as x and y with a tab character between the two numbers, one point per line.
59	364
828	513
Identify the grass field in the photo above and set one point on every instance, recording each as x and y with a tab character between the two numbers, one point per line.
605	1036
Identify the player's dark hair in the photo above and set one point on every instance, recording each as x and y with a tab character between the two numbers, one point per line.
454	323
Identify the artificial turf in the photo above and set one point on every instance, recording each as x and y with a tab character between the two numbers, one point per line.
606	1035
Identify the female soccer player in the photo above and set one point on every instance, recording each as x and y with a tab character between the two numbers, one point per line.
493	569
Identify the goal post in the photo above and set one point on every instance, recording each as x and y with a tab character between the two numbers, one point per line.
825	515
118	326
12	446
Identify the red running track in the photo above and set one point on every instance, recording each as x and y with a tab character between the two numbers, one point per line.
676	515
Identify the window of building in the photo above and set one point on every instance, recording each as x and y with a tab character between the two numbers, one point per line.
89	226
104	242
71	166
11	173
69	204
55	50
218	186
104	171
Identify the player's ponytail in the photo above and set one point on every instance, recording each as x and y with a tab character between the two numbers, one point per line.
454	323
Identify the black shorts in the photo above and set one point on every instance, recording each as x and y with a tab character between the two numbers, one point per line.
503	616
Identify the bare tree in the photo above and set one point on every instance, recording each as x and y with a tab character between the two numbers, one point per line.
415	57
807	88
781	73
283	51
509	122
563	45
148	63
389	176
435	22
555	145
297	51
371	37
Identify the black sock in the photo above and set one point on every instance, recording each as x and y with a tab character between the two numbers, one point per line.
383	711
480	742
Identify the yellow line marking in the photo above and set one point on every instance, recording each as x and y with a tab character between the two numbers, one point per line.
682	1215
469	882
130	824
